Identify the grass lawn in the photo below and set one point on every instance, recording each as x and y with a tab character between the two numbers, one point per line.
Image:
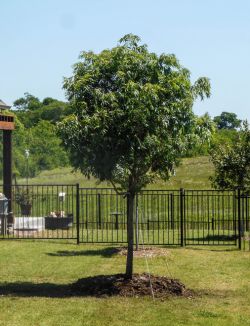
34	273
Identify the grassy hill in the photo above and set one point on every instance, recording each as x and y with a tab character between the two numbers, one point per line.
193	173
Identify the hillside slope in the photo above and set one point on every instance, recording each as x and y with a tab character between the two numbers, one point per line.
193	173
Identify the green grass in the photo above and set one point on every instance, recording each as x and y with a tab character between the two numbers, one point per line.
193	173
148	237
33	271
219	277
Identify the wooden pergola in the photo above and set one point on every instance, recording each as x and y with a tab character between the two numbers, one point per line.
7	126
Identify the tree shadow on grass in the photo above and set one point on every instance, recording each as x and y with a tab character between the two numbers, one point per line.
217	249
100	286
29	289
106	252
51	290
213	238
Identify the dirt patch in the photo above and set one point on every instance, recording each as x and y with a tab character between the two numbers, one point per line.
139	285
148	252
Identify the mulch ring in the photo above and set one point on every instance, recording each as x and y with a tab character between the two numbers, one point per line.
148	252
139	285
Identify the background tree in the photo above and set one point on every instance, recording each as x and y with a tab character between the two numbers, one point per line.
30	110
227	120
223	137
202	142
44	145
232	162
35	130
40	138
46	148
27	103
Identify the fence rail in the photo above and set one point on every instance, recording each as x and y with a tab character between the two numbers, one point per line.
99	215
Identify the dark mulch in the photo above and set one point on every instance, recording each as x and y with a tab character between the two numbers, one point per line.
139	285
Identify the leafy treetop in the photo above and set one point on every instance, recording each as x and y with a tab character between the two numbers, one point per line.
132	113
227	120
27	103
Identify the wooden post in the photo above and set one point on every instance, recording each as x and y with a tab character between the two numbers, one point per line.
7	125
7	167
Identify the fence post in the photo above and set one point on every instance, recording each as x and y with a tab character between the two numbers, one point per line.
182	213
239	217
99	211
136	224
245	223
77	213
172	211
213	224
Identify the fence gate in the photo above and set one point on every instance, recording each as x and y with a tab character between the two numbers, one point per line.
210	217
160	219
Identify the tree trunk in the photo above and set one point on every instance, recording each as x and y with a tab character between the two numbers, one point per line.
130	234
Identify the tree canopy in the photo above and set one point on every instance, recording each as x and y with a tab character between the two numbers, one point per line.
133	113
35	130
227	120
132	117
27	103
30	110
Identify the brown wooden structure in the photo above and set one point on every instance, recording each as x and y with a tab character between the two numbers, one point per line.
7	126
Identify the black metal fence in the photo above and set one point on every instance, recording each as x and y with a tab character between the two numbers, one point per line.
192	217
99	215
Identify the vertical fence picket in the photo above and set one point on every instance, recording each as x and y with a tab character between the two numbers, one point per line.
182	195
77	214
239	218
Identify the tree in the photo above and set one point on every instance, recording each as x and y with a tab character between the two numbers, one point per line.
232	162
227	120
224	137
132	118
27	103
30	110
45	148
202	142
